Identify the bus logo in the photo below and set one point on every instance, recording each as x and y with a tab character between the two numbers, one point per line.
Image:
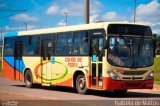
133	78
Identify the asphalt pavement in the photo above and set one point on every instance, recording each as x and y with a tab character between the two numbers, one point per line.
65	96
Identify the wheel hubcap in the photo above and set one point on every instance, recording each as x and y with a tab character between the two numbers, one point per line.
28	79
82	83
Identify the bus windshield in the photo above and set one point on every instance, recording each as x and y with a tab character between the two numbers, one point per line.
130	52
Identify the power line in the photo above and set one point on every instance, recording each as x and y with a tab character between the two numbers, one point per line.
20	11
11	10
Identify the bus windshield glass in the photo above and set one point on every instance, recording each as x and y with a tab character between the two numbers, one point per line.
130	52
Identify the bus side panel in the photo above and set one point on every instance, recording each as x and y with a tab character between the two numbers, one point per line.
8	70
57	72
66	83
18	68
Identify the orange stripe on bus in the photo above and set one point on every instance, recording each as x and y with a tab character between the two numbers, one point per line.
9	72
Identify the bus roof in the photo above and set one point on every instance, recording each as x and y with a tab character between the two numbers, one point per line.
66	29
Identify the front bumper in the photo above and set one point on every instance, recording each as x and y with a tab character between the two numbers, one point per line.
110	84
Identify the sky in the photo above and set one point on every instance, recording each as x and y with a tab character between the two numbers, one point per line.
51	13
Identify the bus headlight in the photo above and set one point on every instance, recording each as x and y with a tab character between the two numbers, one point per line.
150	76
113	75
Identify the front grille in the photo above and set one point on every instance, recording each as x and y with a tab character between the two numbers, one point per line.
134	72
132	84
126	78
132	78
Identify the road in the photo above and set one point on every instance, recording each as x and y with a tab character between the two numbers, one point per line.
16	90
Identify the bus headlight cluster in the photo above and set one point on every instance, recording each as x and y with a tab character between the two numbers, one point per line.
113	75
150	76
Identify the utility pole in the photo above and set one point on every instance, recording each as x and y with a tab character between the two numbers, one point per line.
135	11
26	26
1	44
66	14
87	11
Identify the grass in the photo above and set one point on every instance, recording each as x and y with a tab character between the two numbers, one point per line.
0	64
157	70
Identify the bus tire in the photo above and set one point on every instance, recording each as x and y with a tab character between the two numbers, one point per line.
28	79
120	92
81	85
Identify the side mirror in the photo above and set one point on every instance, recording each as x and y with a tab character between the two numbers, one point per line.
155	47
155	44
154	36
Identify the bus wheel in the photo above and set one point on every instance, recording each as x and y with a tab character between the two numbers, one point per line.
120	92
81	84
28	79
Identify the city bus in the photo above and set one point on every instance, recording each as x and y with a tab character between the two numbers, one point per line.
114	56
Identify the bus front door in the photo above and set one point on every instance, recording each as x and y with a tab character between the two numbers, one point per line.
46	52
96	61
18	63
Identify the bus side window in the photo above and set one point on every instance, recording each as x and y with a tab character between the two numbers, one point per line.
60	40
32	47
9	47
64	44
75	48
84	44
69	42
30	40
80	44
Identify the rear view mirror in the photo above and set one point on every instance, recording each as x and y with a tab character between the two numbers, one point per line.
155	44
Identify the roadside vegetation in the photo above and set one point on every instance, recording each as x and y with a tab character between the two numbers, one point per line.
0	67
0	64
157	61
157	70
